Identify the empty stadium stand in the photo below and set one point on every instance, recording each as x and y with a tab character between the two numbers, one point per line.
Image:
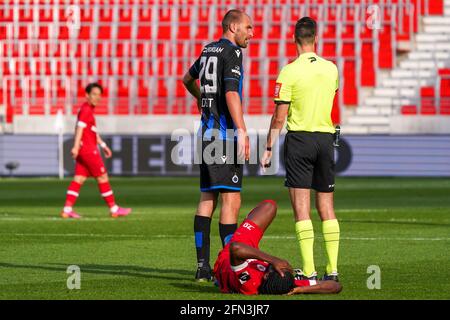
139	50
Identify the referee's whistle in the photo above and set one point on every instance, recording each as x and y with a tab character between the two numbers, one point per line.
337	136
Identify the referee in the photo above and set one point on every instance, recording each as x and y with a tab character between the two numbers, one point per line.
304	92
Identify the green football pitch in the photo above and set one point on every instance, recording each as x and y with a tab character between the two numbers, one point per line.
401	226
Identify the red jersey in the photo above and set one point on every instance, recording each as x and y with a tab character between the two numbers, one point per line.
86	120
247	277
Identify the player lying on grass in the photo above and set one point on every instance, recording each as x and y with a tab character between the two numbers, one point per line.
242	268
88	161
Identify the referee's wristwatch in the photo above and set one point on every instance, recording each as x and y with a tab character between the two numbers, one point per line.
269	148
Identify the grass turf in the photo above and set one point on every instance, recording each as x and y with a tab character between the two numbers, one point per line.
400	225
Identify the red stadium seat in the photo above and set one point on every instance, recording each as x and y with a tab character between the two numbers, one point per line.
385	58
350	90
436	7
272	49
124	32
254	106
144	32
428	106
344	35
104	32
85	32
255	88
444	92
106	14
335	112
367	65
409	110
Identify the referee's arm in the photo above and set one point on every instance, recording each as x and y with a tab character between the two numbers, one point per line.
276	125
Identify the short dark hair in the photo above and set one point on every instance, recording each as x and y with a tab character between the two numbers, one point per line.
276	284
305	31
232	16
93	85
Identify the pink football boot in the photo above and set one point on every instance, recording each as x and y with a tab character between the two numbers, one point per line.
70	215
121	212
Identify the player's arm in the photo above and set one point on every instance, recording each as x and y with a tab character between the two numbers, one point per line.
104	146
190	83
232	78
240	252
324	287
77	140
235	107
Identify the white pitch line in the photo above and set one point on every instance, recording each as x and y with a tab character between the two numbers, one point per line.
165	236
61	219
368	239
344	220
73	235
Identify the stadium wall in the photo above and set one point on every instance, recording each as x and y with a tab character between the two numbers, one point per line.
152	155
166	124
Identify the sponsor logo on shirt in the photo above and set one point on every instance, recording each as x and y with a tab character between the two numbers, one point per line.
213	49
261	268
244	277
248	226
236	70
238	52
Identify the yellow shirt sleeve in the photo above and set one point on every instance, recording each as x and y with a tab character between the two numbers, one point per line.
283	88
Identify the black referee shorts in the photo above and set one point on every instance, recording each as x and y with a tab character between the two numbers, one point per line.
309	160
220	170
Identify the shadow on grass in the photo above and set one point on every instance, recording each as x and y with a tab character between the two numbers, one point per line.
115	270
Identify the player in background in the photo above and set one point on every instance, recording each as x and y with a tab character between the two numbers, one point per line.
219	99
242	268
88	161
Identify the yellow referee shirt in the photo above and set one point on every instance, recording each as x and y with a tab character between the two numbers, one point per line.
308	84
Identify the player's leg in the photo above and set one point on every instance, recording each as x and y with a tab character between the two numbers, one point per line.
108	195
202	222
300	156
202	227
97	169
72	194
73	191
331	231
323	183
229	213
252	229
300	200
263	214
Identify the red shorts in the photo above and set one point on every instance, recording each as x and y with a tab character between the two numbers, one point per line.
248	233
89	164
